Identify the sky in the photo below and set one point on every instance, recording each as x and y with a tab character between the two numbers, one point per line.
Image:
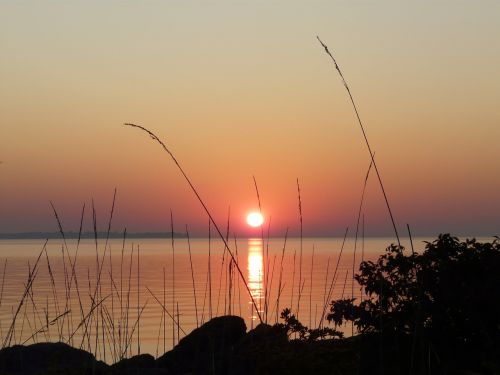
238	90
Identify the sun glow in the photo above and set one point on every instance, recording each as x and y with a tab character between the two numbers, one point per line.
255	219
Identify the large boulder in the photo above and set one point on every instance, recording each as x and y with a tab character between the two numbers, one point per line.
208	349
48	359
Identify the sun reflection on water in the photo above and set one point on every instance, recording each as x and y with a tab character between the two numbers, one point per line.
256	273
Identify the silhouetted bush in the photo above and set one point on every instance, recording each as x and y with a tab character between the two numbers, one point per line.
292	326
446	299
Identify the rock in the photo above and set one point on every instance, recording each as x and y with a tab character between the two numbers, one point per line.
265	335
48	359
260	349
208	349
143	364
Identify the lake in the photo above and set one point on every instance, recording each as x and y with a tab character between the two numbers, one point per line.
171	288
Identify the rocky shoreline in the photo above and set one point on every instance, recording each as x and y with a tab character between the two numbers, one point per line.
223	346
220	346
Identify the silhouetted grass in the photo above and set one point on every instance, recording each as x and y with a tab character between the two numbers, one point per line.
311	287
281	277
173	272
372	155
299	294
329	295
192	277
31	278
1	291
176	322
155	138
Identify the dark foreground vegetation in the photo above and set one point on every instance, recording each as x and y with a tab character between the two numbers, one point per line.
431	313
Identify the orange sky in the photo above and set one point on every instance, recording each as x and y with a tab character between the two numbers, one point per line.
239	89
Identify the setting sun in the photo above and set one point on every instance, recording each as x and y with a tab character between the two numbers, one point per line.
255	219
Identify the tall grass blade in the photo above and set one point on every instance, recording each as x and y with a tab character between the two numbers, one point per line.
365	138
281	277
192	277
301	244
311	289
155	138
173	273
333	279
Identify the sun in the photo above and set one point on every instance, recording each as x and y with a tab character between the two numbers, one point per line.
255	219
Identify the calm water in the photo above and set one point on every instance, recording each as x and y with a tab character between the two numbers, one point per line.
166	272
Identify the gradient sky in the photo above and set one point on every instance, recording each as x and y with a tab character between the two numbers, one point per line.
237	89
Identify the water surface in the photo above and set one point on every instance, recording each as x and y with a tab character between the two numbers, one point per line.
154	280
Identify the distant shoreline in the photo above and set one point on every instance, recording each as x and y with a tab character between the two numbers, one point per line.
85	235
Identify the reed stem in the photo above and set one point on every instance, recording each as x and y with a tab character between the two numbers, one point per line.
333	279
300	254
365	138
173	272
200	200
192	277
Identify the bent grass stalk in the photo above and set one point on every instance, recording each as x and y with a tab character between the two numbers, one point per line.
205	208
364	136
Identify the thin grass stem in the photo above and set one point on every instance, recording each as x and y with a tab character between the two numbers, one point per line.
200	200
333	279
192	277
365	138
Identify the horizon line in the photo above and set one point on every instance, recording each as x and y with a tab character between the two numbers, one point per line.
160	235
